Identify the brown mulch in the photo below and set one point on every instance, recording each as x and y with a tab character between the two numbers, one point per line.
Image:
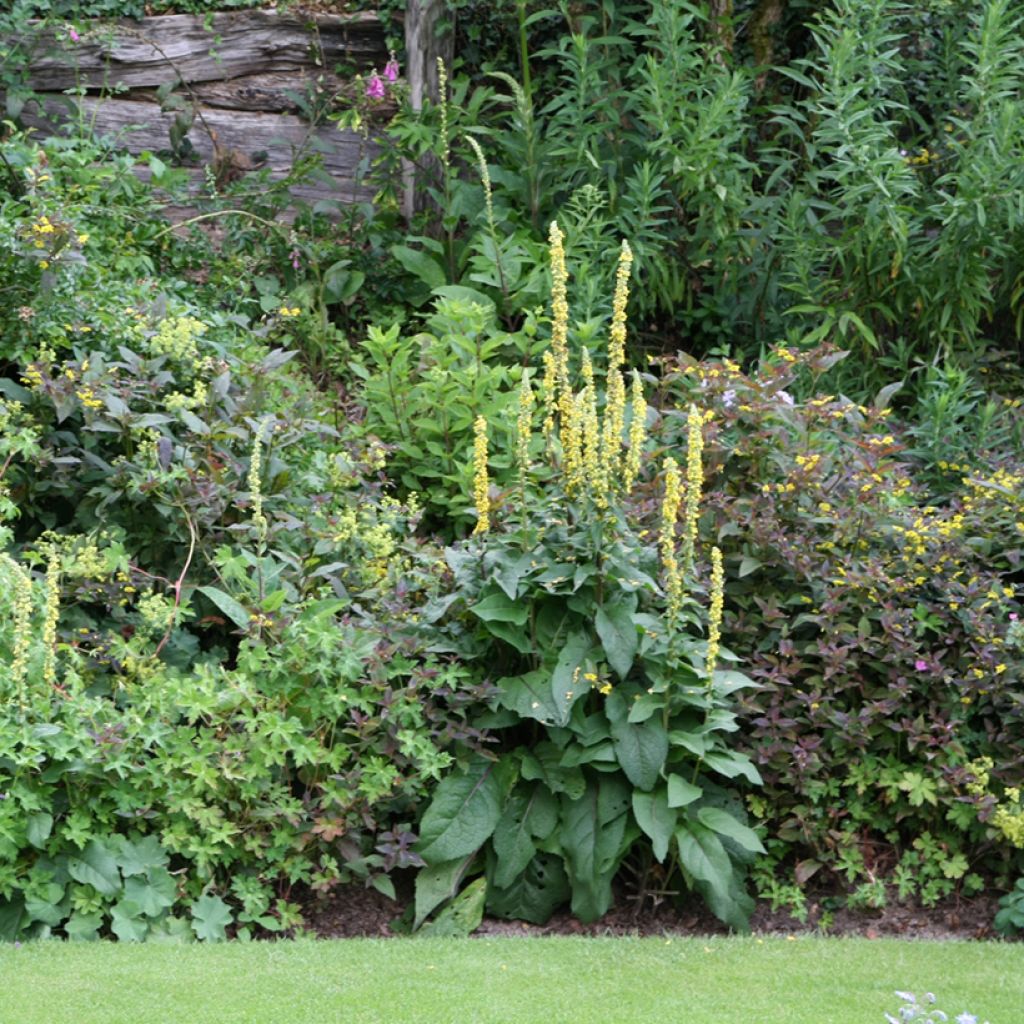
353	911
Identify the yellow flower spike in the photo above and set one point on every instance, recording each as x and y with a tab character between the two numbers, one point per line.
617	334
592	468
715	613
572	446
637	434
560	328
694	484
51	618
255	485
524	424
481	484
667	540
613	427
442	92
549	392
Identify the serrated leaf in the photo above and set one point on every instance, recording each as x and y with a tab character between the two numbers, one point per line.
725	824
463	814
210	918
152	894
140	856
127	922
83	927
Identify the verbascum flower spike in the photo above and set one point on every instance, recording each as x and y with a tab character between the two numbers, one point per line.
524	426
667	540
715	613
442	94
637	434
255	485
694	484
617	334
549	392
50	619
613	426
481	483
572	447
560	326
592	468
485	180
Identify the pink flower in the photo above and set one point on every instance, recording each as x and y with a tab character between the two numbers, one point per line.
375	87
295	259
920	664
73	35
1013	616
391	69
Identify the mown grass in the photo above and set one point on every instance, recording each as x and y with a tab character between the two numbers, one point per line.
506	981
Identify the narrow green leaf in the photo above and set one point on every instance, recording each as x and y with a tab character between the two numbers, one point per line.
228	605
725	824
620	638
657	819
681	793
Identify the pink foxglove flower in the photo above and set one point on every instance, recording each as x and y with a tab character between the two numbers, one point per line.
391	70
375	87
73	35
920	664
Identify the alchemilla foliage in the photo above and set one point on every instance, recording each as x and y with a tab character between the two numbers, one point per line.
643	521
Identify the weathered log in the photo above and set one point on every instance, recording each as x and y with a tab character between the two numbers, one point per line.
230	142
207	49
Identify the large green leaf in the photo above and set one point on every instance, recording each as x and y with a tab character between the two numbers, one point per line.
657	819
732	764
463	814
566	688
544	764
462	916
127	921
527	816
46	905
39	827
152	894
529	696
96	866
616	627
593	837
421	265
535	894
438	882
702	854
725	824
641	748
499	607
84	927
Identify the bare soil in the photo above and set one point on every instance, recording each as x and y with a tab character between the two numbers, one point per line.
353	911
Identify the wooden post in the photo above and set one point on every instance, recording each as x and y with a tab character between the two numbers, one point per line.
425	41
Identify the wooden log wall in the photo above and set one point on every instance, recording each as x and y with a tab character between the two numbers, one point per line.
239	68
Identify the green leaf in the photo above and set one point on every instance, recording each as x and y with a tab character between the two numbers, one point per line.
681	792
438	882
593	836
420	265
732	764
617	629
38	829
565	688
463	814
96	866
641	749
498	607
725	824
702	854
462	916
126	921
46	906
153	895
535	894
529	695
210	918
170	929
544	764
228	605
84	927
526	816
657	819
140	856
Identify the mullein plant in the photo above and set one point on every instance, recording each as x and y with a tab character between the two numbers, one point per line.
600	628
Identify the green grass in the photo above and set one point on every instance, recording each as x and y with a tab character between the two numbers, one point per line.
505	981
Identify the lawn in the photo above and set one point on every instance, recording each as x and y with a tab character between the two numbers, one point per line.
505	981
